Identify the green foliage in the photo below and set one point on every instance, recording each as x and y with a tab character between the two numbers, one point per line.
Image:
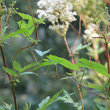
19	71
100	107
28	17
67	99
10	71
57	60
97	67
27	106
18	67
15	34
96	86
48	101
2	108
25	28
29	66
7	106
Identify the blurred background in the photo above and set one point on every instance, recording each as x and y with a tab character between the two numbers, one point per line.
34	88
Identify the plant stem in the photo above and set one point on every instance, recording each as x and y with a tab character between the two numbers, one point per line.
10	79
4	62
14	97
32	17
108	58
72	60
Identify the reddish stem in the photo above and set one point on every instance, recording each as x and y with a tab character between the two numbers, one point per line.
4	62
108	57
72	60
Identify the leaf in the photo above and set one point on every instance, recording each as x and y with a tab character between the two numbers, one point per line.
44	101
7	106
15	34
27	73
3	30
47	101
29	66
63	62
27	106
96	66
100	107
29	26
96	86
40	53
17	66
26	16
10	71
44	64
67	99
80	46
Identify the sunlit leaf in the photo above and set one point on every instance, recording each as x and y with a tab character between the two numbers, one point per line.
7	106
26	16
15	34
17	66
48	101
29	66
44	64
10	71
63	62
96	86
95	66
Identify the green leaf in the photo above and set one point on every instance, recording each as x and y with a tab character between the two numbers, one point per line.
10	71
27	106
80	46
27	73
3	30
44	64
40	53
7	106
17	66
44	102
28	17
22	24
96	66
29	66
15	34
100	107
67	99
29	26
63	62
96	86
47	101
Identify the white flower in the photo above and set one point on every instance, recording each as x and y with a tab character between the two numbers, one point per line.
91	31
55	11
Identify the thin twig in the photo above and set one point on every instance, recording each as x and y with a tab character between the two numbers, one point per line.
33	18
79	34
72	60
23	49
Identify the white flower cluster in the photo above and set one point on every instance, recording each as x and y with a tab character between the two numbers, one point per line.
90	32
59	12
